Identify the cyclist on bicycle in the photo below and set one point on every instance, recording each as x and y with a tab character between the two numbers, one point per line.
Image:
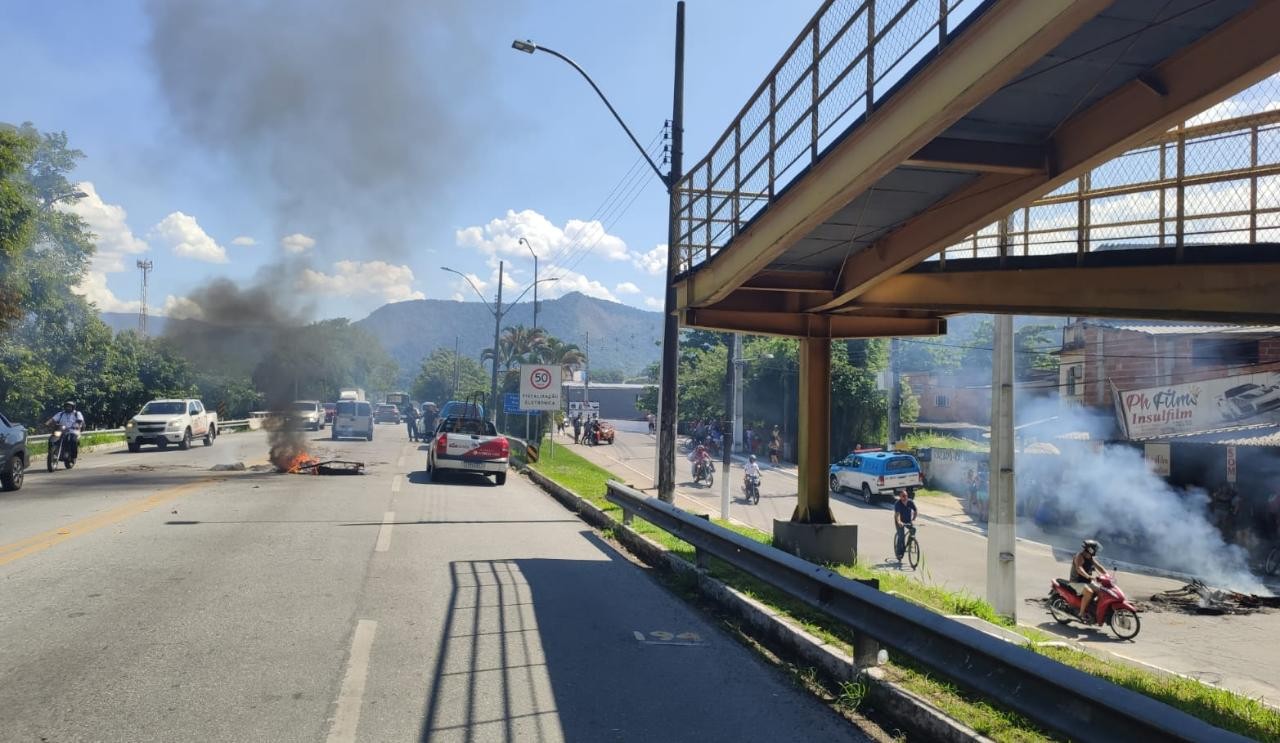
904	513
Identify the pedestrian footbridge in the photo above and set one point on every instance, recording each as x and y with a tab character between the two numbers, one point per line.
910	159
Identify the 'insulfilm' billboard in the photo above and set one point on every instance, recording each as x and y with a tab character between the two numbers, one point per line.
1200	406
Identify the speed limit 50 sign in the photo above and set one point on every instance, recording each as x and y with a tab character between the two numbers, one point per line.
539	387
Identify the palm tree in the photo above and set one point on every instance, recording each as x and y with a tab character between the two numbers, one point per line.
555	351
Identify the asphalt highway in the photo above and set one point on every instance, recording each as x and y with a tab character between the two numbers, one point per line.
1236	652
145	597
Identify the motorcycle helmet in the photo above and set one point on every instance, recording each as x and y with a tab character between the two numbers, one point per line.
1092	545
752	457
68	406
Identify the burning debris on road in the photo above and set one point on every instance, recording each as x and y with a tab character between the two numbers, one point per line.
1197	598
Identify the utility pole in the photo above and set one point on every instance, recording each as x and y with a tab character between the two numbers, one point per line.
586	374
736	354
145	266
671	323
1001	511
453	395
895	395
730	370
497	333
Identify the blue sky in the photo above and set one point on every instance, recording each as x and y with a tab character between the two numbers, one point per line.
394	137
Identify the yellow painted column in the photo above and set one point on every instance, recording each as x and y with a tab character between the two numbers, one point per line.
814	505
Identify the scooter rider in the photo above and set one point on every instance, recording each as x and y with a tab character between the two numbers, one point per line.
750	469
72	422
1085	569
700	456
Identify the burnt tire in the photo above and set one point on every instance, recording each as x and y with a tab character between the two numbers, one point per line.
11	477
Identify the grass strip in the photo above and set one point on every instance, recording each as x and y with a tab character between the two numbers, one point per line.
40	447
1219	707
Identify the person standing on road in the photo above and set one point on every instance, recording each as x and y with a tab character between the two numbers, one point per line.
775	447
904	513
411	420
577	427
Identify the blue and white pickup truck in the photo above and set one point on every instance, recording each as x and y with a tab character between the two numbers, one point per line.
468	444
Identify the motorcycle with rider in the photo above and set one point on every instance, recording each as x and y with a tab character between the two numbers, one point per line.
64	439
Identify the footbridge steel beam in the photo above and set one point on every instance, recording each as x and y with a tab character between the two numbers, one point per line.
1000	44
1241	53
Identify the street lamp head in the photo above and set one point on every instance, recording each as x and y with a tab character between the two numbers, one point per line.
526	46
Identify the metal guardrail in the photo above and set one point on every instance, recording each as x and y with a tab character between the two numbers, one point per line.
1057	697
221	424
849	56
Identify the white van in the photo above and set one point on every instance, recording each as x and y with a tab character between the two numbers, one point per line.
352	419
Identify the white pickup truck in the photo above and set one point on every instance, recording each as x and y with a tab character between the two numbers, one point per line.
468	444
164	422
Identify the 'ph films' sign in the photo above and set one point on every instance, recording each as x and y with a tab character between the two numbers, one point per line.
539	387
1200	406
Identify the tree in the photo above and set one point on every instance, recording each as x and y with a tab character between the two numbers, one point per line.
435	378
18	210
908	403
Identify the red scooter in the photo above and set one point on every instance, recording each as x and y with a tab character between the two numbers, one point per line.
1109	606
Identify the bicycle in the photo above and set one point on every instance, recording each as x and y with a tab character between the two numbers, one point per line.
911	547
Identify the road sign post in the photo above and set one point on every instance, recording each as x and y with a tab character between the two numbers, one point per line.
539	389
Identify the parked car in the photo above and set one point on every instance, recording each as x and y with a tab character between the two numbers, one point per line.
386	413
352	419
306	414
164	422
468	444
460	409
873	474
13	453
330	409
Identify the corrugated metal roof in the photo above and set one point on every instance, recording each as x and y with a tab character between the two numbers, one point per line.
1185	328
1261	434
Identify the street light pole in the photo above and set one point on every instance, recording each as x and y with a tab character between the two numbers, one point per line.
671	323
535	282
497	331
497	327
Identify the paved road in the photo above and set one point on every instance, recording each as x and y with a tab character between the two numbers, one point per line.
146	598
1237	652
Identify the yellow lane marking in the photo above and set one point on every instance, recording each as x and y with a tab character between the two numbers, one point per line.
43	541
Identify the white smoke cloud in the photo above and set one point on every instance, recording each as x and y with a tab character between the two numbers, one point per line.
185	237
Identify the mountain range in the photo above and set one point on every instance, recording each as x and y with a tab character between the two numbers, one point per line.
615	336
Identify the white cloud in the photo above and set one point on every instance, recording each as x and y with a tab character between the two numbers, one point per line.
653	262
186	238
654	303
389	282
572	281
114	244
502	237
93	287
181	308
243	241
297	243
627	287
